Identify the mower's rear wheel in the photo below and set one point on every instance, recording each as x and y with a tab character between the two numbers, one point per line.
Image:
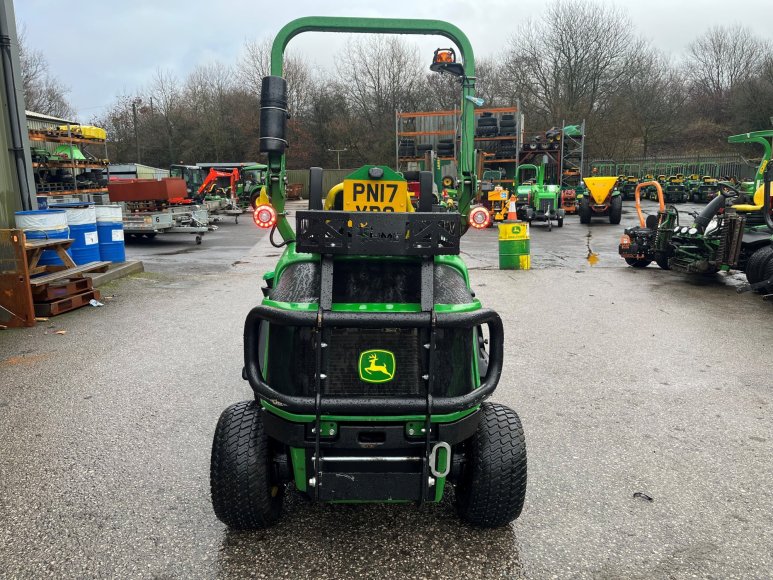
756	264
637	263
492	488
584	211
560	222
663	263
243	493
615	210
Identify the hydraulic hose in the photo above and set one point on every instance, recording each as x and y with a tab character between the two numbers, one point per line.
712	208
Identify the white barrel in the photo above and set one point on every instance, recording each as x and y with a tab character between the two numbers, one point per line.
41	220
109	213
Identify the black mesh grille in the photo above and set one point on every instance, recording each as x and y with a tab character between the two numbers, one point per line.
546	205
346	344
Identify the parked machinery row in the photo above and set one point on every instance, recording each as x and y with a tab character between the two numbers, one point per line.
732	232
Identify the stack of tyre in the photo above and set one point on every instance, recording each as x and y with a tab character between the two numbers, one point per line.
507	125
445	148
487	126
406	147
507	150
422	148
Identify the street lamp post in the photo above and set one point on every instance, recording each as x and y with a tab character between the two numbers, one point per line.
338	155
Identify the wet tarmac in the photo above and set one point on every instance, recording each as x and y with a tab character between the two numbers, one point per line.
627	381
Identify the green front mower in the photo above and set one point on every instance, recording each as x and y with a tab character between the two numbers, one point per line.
370	357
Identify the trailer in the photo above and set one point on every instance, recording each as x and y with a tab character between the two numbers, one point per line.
140	220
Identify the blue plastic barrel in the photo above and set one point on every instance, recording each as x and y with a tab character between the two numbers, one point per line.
46	224
82	219
110	233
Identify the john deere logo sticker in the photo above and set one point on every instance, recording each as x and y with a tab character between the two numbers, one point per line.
377	366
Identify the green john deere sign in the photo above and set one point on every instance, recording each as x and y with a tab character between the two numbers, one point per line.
376	366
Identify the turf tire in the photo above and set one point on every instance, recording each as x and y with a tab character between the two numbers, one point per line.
756	264
492	488
616	210
243	495
584	211
637	263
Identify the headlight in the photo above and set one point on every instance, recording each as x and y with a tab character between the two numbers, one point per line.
685	229
693	231
676	230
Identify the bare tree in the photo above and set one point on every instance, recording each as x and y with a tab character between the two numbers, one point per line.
717	62
43	92
255	64
568	64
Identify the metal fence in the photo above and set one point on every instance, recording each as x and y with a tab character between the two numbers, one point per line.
723	165
330	177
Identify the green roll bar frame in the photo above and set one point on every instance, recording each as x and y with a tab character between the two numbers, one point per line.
466	160
761	138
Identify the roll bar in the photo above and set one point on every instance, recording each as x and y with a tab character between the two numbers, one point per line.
467	178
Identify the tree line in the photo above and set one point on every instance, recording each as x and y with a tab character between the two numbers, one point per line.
580	60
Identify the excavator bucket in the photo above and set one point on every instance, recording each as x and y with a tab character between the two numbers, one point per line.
600	187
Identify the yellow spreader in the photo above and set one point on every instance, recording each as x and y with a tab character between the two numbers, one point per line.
600	187
604	200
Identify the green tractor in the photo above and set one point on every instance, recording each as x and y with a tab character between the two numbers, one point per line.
543	202
370	358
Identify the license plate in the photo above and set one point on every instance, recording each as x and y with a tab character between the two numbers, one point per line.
375	195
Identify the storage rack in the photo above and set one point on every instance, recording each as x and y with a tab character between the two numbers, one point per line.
572	156
427	129
53	135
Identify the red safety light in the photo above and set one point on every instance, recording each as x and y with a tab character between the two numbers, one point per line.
264	216
480	218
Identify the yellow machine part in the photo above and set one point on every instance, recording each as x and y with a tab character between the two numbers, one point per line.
756	204
338	190
600	187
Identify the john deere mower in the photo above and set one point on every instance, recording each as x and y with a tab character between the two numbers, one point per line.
369	358
676	189
543	202
604	200
723	236
649	241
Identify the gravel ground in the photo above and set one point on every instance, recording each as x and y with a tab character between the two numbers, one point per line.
626	381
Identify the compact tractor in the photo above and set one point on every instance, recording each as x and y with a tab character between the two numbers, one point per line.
537	202
370	358
604	200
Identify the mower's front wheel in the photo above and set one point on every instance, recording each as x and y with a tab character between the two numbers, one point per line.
243	493
492	488
637	263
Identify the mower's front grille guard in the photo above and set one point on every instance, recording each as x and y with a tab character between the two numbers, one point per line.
378	233
369	404
546	206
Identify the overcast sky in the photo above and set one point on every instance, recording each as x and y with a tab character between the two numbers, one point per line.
103	48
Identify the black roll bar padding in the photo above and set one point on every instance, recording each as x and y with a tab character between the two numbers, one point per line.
364	404
273	115
426	198
315	188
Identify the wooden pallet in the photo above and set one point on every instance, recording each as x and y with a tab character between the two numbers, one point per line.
65	304
51	292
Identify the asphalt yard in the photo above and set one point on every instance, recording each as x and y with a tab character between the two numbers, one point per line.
645	396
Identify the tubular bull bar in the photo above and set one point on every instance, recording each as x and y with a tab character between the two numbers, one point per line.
320	320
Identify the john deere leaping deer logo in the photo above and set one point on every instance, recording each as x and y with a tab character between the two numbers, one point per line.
377	366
